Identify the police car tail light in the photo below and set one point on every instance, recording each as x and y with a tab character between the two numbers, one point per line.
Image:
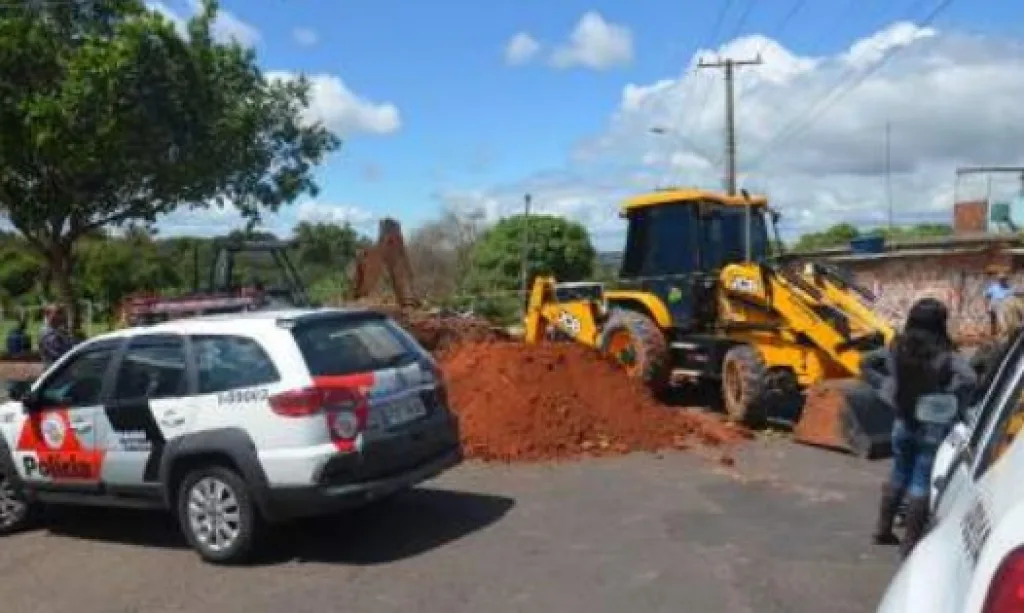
297	403
1006	591
346	415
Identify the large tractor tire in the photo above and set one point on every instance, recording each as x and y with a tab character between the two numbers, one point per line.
638	344
744	386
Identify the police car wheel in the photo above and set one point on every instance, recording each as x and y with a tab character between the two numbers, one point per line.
15	510
217	515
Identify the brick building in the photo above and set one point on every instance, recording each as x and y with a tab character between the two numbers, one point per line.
953	269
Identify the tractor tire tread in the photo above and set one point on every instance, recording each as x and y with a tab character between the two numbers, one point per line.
750	408
652	347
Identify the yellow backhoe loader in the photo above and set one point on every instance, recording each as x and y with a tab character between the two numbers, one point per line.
702	297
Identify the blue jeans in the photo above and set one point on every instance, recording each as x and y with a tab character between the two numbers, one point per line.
914	455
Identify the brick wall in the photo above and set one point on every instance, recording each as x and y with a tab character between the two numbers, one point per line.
959	280
970	217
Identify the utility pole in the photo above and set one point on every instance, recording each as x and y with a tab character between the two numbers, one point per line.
524	249
888	171
730	65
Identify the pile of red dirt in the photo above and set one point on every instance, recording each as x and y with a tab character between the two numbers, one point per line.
436	330
521	402
440	332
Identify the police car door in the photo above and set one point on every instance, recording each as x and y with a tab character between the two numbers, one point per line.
992	492
996	401
148	404
57	448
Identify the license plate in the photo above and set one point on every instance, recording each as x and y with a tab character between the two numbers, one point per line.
403	411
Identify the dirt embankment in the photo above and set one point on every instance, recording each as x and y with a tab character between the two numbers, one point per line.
521	402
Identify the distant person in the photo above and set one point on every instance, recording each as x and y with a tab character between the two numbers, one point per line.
18	341
996	293
55	339
927	383
990	354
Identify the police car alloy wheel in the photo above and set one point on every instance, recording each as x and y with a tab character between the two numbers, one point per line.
13	507
217	514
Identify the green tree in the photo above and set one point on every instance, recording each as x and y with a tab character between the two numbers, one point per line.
109	116
326	249
557	246
114	268
19	272
835	236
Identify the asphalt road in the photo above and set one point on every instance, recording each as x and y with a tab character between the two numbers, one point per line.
786	529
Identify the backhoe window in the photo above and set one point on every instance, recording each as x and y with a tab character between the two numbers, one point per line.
660	241
725	241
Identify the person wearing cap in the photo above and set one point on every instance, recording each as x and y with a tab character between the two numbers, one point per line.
54	341
995	295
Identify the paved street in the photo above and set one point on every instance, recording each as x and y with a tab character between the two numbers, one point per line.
786	529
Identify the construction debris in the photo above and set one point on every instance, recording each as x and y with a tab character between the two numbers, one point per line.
558	401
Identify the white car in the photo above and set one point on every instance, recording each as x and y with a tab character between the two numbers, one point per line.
231	422
972	560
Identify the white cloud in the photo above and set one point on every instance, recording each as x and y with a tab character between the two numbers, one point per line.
595	43
873	48
342	110
307	37
227	27
951	98
212	221
520	49
323	212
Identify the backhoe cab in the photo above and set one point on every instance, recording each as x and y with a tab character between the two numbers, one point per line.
702	297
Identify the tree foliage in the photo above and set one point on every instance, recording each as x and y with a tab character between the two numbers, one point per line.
112	269
110	116
557	246
841	234
441	252
19	271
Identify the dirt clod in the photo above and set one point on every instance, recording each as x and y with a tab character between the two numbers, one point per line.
519	402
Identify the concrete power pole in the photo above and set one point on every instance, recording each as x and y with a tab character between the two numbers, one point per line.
730	65
524	250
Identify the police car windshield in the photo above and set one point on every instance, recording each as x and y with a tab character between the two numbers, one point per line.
346	346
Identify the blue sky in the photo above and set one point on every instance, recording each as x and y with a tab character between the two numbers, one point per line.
468	122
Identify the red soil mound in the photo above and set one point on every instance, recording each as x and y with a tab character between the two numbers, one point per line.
521	402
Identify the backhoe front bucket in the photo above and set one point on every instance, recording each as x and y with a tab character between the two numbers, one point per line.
846	414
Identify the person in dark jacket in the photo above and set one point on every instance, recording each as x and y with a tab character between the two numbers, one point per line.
54	341
18	341
927	383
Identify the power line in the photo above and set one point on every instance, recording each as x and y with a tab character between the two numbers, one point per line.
806	118
779	29
719	20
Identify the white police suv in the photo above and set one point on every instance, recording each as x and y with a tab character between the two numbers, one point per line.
232	422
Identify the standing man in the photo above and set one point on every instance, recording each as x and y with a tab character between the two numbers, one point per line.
996	293
55	340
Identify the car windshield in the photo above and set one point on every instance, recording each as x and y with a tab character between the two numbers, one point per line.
343	346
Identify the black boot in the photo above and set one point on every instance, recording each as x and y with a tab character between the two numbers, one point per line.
917	523
887	508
